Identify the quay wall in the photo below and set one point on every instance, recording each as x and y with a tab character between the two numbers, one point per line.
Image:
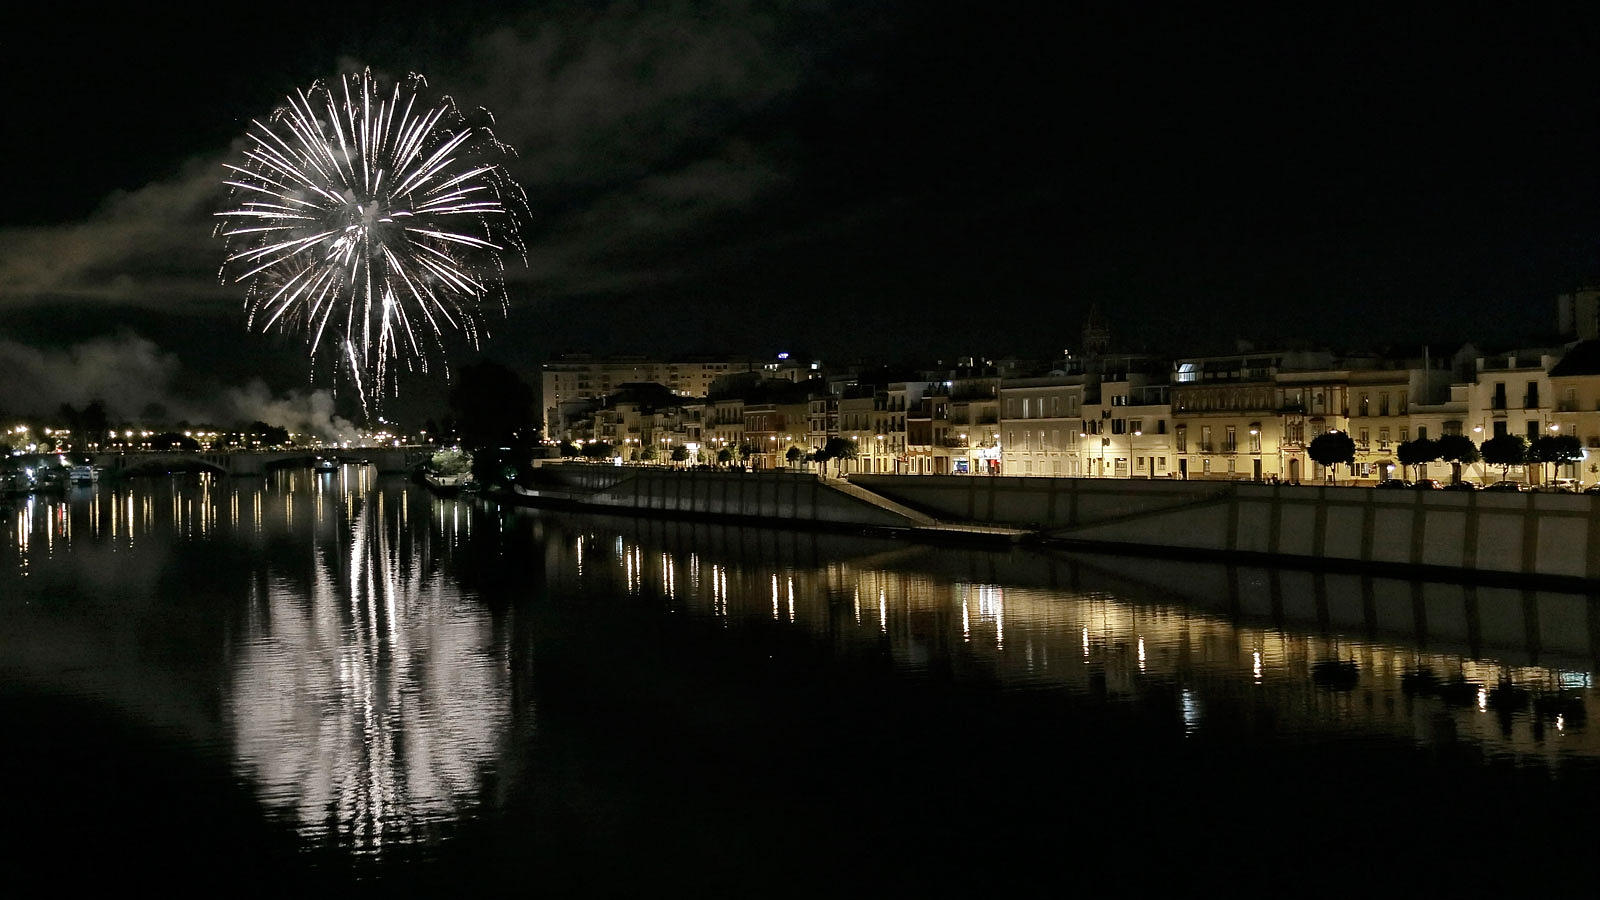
774	496
1536	534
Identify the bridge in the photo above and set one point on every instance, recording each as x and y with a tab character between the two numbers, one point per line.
258	462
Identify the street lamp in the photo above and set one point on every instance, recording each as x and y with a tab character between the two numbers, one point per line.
1130	452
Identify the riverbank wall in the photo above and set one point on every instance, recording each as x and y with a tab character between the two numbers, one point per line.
792	498
1542	539
1553	537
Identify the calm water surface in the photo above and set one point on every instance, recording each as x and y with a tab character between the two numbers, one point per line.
339	681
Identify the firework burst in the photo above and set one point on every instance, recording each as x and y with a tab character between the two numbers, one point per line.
372	221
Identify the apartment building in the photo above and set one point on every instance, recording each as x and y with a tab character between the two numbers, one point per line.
1041	426
577	377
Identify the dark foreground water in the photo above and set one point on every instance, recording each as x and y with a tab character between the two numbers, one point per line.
338	683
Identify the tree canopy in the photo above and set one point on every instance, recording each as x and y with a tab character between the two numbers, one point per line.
1505	451
1331	448
490	403
1554	449
1417	453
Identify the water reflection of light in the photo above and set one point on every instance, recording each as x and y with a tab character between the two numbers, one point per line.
368	706
1190	705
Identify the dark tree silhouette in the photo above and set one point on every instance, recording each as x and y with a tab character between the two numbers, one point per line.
1555	449
1417	453
1505	451
490	403
840	449
1331	448
1457	450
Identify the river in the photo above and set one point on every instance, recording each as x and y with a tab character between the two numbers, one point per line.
337	681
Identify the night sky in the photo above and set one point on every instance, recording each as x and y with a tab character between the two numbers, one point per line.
854	178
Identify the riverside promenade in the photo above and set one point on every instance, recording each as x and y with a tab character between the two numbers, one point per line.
1538	539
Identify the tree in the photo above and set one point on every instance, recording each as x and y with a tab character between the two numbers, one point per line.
839	449
680	454
451	462
568	449
649	453
725	456
95	420
1555	449
1457	450
268	435
1417	453
599	450
171	440
1331	448
794	455
1505	451
490	402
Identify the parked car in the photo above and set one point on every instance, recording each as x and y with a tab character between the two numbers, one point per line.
1514	487
1460	486
1393	484
1592	489
1426	484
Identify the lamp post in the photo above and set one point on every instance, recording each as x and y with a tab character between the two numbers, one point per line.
1255	453
1131	457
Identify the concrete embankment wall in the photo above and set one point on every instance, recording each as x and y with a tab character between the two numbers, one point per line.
786	497
1551	535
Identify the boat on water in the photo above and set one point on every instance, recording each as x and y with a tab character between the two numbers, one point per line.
450	485
84	474
323	464
34	473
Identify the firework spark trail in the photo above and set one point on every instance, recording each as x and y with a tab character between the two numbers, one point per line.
385	218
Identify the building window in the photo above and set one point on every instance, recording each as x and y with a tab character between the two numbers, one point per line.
1180	439
1205	438
1230	439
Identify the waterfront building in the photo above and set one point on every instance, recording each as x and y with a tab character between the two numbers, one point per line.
1383	394
580	377
724	425
975	426
1042	425
857	418
1229	417
1575	384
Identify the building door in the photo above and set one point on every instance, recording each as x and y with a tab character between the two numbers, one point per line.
1257	469
1183	468
1294	471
